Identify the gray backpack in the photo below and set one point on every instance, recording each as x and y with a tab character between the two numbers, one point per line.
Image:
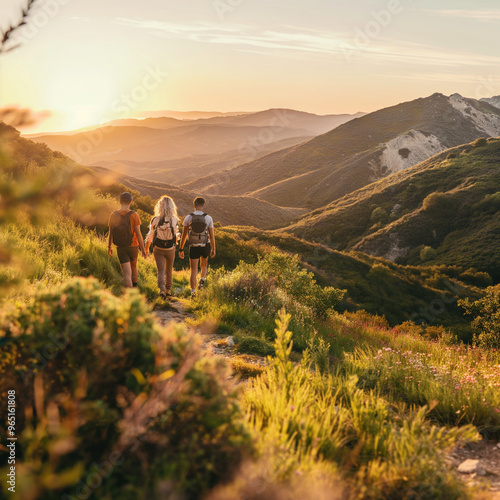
198	230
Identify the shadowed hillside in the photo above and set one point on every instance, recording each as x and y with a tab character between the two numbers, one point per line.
443	211
359	152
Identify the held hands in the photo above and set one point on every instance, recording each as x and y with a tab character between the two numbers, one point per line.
181	254
110	251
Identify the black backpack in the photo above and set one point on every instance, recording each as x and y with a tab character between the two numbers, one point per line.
122	231
198	230
164	243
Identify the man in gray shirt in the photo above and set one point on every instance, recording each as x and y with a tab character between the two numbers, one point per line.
199	228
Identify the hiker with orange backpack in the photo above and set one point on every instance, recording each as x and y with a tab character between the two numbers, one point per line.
163	234
125	233
199	228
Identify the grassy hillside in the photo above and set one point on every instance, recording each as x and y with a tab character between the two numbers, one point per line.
425	295
447	205
359	152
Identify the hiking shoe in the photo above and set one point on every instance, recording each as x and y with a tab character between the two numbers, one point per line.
193	295
201	284
163	295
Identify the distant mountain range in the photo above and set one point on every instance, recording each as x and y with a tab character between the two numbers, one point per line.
359	152
167	149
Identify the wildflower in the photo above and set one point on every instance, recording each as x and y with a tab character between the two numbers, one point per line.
292	407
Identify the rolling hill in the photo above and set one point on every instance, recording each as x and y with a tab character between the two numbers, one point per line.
177	151
358	152
445	210
228	210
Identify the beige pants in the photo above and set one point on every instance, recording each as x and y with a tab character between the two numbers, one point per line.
165	263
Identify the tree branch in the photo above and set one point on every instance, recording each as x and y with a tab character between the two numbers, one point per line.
6	35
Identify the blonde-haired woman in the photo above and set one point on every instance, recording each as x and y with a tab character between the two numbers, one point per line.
163	233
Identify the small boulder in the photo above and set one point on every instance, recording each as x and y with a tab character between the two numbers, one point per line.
230	341
471	466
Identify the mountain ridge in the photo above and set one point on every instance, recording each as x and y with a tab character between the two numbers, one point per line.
359	152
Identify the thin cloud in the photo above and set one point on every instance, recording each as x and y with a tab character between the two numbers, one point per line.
457	78
239	35
479	15
376	50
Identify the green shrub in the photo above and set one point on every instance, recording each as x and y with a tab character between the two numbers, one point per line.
478	143
486	312
427	253
95	377
476	278
436	201
379	215
254	345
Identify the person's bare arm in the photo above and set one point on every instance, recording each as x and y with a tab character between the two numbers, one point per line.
110	243
140	240
149	239
184	236
211	232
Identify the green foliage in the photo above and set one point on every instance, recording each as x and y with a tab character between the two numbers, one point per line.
96	378
379	215
319	351
476	278
478	143
486	312
379	451
427	253
245	369
436	202
251	294
253	345
457	382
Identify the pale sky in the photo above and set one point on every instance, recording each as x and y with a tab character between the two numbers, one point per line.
90	61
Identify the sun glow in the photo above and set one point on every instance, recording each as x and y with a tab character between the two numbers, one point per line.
81	97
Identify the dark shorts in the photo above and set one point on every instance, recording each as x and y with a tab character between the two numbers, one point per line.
197	252
127	254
